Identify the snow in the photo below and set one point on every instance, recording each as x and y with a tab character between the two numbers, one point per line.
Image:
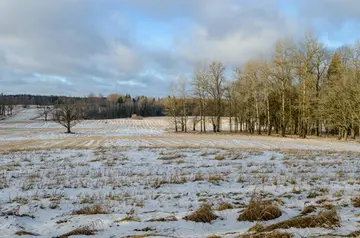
121	179
126	164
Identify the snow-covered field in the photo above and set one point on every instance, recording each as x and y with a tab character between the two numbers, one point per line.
134	178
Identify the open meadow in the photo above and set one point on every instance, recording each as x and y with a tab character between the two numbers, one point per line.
136	178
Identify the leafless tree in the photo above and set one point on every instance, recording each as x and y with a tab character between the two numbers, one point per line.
45	111
67	113
216	90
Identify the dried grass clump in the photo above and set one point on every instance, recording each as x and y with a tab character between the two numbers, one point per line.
259	210
163	219
308	209
219	157
213	236
225	206
324	219
171	157
354	234
356	202
273	234
204	214
26	233
86	231
93	210
144	235
215	178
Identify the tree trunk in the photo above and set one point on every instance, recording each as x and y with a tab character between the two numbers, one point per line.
268	114
283	113
68	127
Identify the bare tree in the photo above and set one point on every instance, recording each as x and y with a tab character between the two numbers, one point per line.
67	113
282	72
172	109
199	83
45	110
216	90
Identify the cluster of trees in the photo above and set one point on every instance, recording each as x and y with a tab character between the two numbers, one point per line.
6	106
122	106
95	107
302	89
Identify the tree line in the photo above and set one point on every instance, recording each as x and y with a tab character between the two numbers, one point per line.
93	107
301	89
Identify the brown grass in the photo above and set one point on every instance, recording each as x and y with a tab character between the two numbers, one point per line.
203	214
224	206
26	233
273	234
213	236
356	202
163	219
93	210
87	231
354	234
307	210
142	236
324	219
259	210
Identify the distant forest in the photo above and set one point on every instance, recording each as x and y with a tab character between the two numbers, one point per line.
96	107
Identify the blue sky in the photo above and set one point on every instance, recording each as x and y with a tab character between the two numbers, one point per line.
78	47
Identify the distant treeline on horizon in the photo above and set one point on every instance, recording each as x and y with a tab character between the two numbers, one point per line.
98	107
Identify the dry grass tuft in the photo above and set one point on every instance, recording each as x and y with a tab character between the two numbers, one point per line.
213	236
354	234
26	233
259	210
307	210
93	210
144	235
163	219
273	234
224	206
356	202
170	157
219	157
203	214
86	231
324	219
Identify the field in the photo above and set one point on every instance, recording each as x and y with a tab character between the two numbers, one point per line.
135	178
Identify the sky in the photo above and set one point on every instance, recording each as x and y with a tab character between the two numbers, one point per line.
78	47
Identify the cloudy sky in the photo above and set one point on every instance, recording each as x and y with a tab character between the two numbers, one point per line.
77	47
